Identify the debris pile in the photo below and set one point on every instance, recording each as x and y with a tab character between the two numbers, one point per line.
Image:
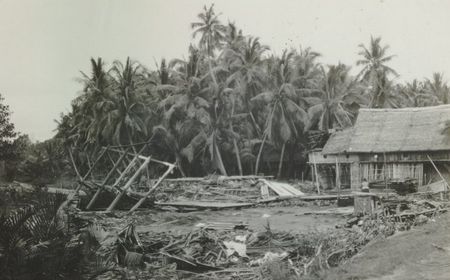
222	192
232	252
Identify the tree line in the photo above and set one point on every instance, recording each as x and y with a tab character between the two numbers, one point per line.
233	105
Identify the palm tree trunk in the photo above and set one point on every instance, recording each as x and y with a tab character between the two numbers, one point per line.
244	91
178	162
221	166
236	148
238	157
259	153
255	126
280	165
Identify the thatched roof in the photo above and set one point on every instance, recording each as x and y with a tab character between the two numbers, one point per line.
401	130
339	142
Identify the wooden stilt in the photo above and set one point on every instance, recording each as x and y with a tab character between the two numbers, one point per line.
128	184
105	181
139	203
315	173
338	178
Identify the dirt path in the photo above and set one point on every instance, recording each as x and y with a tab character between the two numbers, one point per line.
421	253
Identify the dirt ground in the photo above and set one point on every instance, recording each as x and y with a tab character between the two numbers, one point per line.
280	218
421	253
294	219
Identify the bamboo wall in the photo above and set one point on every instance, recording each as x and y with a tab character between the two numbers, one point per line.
398	166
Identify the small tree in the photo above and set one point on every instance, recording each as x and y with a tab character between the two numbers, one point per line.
7	131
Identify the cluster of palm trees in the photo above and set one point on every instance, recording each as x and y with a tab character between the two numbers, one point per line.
232	104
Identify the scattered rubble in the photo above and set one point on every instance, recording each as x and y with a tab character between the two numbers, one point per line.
235	251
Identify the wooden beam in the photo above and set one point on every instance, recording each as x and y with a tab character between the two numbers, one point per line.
145	158
100	188
219	178
139	203
440	175
104	150
128	184
113	162
74	165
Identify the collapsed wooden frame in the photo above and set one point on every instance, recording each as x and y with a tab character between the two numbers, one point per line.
121	172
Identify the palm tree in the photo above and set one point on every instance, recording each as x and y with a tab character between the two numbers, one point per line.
90	107
247	73
438	87
334	88
375	71
173	139
127	118
285	116
373	60
234	39
211	30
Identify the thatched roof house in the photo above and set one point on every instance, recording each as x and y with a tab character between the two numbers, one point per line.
391	143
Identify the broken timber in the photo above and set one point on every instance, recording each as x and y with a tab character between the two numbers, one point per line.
126	177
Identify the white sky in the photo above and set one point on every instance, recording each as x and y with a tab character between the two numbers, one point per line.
44	43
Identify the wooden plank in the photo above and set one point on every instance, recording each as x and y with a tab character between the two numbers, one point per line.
282	189
288	188
219	178
204	204
278	190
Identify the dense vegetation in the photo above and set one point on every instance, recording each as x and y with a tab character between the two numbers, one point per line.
232	105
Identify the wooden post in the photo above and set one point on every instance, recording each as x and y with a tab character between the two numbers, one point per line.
315	173
128	184
384	169
139	203
105	181
338	178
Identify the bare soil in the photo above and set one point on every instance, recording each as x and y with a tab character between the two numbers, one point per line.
280	218
421	253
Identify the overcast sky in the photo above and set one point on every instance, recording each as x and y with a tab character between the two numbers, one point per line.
45	43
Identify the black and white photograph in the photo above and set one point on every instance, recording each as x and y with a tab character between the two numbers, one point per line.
224	139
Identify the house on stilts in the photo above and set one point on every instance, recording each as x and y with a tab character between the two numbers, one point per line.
385	146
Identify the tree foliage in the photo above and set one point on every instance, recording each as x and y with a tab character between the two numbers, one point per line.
232	106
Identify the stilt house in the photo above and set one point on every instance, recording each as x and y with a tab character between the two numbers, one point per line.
387	145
